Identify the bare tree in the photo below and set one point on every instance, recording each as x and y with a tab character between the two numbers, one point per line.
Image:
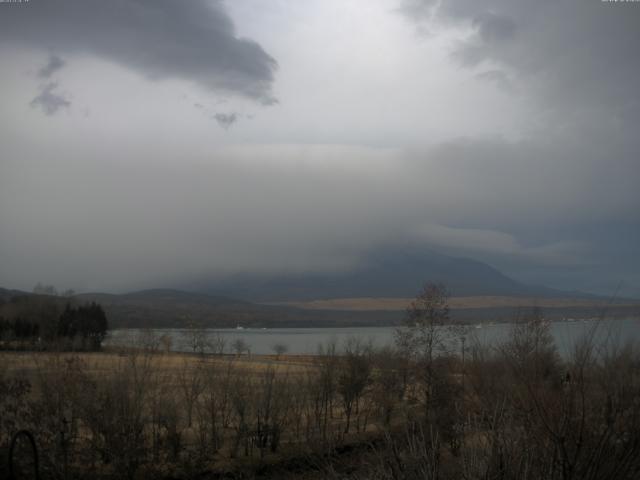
322	384
195	336
243	414
217	343
279	349
425	316
148	340
240	346
354	376
215	408
424	336
190	383
272	401
41	289
113	408
389	381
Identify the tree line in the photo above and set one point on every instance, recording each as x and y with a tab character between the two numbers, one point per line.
30	321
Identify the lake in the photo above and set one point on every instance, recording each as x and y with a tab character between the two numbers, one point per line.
306	340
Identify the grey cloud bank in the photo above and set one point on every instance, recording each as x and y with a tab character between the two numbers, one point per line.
578	60
241	210
131	199
573	54
194	40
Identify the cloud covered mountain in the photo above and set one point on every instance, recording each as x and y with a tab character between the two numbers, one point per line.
384	274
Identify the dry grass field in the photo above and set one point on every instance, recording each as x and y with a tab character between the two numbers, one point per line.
399	304
29	364
164	414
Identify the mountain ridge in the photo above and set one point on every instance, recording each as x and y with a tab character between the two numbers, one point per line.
382	274
170	308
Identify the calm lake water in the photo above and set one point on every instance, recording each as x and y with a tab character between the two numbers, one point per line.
306	340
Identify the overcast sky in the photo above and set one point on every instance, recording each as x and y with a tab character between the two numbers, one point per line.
151	142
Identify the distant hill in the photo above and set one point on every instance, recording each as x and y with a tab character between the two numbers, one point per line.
172	308
462	303
164	308
374	294
385	274
176	309
6	294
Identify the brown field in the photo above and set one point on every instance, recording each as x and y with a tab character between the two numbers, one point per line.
398	304
28	364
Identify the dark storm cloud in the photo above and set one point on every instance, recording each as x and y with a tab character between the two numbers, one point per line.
194	40
573	53
577	62
54	64
572	178
48	100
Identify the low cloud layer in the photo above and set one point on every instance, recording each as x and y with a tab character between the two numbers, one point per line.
194	40
282	209
575	170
